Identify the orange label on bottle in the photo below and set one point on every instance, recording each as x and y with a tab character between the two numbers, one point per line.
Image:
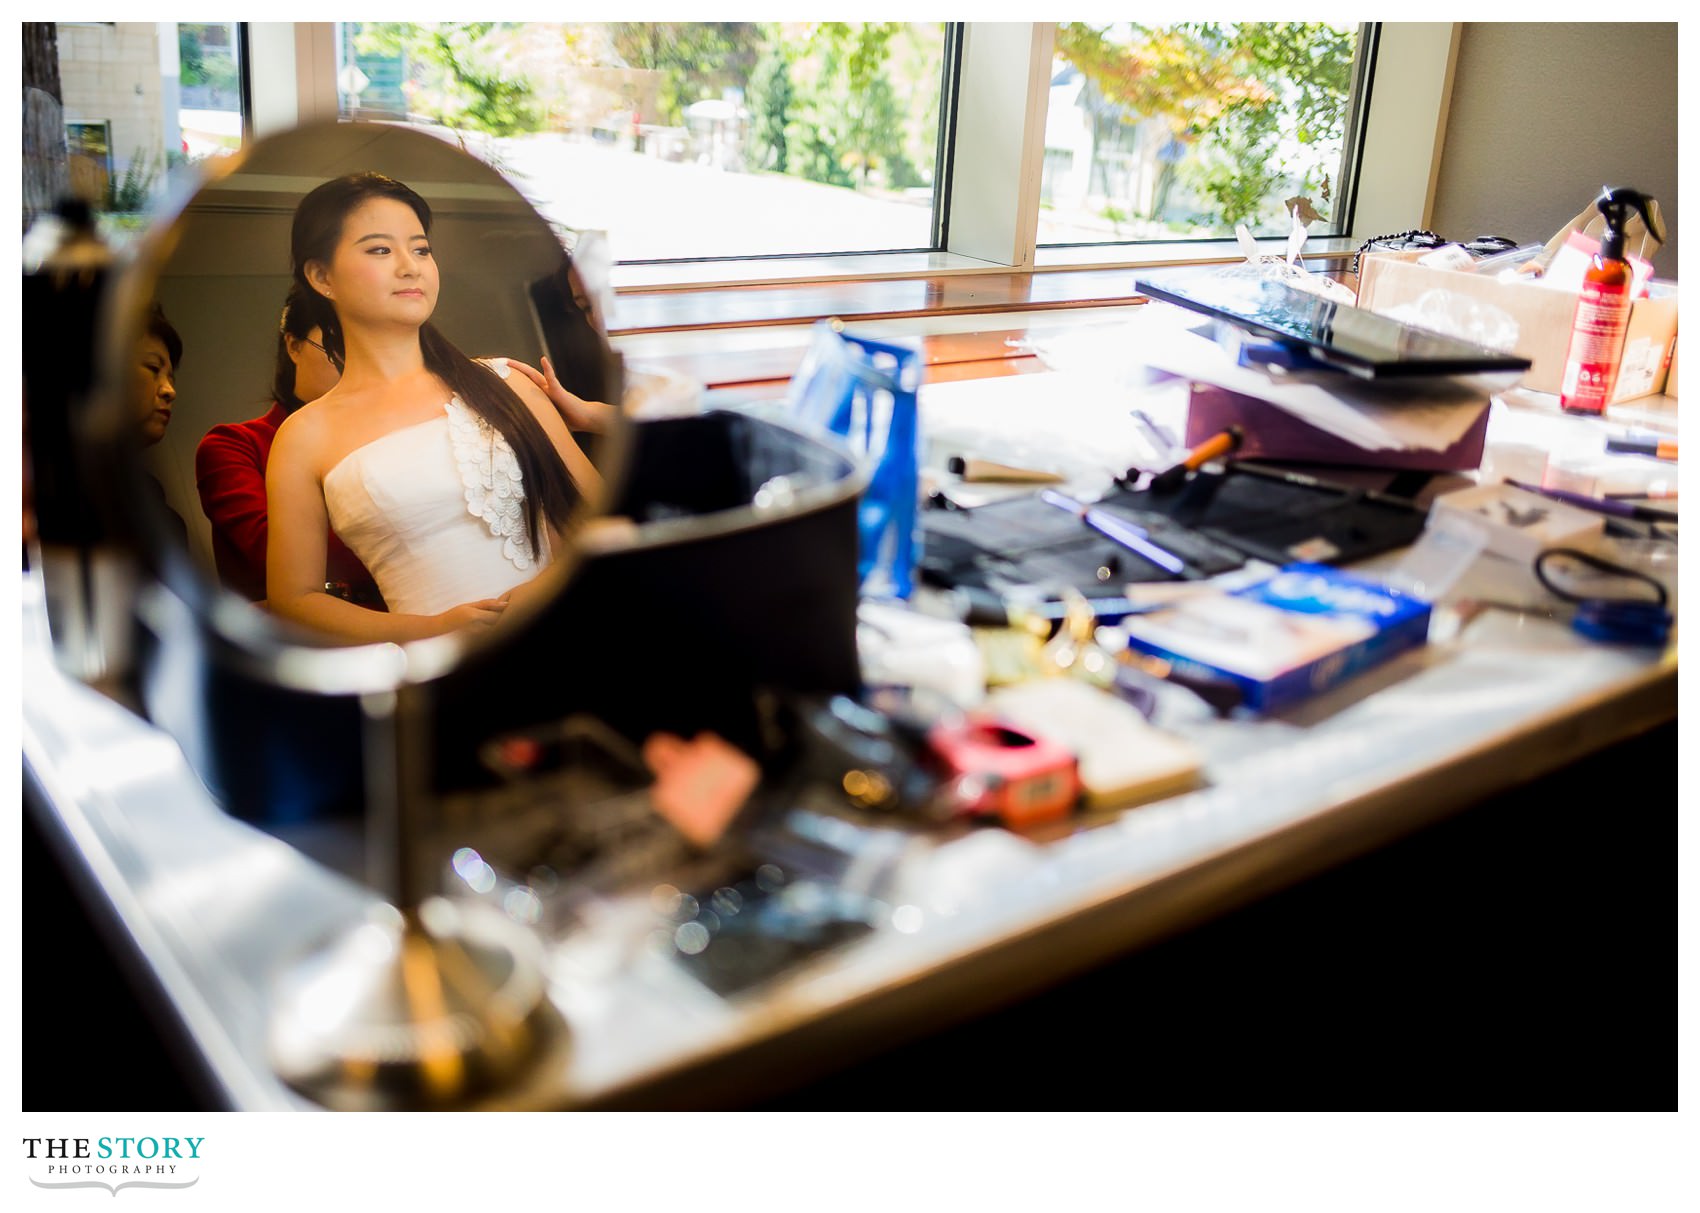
1596	344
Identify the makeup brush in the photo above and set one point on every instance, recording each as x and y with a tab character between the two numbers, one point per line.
1170	479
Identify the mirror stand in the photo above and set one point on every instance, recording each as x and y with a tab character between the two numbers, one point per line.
428	1003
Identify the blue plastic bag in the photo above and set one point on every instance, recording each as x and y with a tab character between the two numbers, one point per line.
864	391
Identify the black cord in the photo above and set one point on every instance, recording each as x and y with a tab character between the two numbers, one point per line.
1414	238
1626	620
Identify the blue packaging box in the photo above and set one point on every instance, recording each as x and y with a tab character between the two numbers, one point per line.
1303	630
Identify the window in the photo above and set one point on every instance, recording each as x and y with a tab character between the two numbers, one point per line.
210	88
1004	185
88	147
1182	131
682	139
141	100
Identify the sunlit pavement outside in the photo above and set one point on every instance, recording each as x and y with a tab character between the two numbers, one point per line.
656	209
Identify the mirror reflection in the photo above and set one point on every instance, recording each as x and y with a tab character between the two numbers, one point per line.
379	411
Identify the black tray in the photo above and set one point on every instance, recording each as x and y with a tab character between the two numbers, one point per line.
1214	522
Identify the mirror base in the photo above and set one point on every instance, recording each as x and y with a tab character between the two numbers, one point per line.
431	1008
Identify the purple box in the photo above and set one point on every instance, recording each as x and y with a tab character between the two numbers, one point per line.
1274	433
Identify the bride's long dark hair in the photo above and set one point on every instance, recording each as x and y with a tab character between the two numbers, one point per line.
549	490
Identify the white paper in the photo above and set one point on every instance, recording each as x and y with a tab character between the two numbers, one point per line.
1078	424
1430	414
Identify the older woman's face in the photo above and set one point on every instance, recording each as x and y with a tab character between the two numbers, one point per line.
153	386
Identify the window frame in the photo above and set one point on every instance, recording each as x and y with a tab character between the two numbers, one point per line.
1363	67
989	200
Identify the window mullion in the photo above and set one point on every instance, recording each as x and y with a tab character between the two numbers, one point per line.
998	156
292	69
1406	126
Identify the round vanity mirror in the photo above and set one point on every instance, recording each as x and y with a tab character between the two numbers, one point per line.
347	464
354	415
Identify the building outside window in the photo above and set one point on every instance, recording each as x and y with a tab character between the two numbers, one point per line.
143	99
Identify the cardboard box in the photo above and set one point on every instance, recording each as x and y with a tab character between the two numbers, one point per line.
1543	315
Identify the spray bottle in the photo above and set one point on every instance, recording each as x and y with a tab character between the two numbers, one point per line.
1602	312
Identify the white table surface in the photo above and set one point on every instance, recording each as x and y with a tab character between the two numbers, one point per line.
216	907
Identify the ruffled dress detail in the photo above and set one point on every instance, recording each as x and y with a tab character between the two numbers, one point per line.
491	481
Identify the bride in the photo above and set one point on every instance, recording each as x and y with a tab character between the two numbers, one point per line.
451	481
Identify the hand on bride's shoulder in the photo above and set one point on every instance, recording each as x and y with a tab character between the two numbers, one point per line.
554	417
578	413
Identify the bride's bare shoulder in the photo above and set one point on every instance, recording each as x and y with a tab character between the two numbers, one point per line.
307	428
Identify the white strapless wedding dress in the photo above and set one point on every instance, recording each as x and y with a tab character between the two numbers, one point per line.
436	512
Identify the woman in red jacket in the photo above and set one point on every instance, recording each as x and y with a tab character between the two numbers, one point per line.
230	470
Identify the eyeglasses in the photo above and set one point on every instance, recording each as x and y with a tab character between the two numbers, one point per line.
329	357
